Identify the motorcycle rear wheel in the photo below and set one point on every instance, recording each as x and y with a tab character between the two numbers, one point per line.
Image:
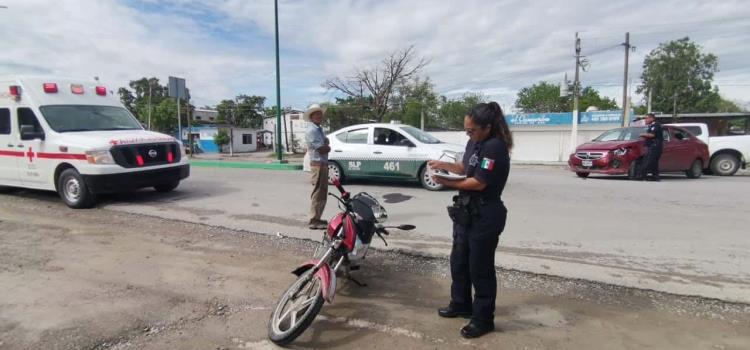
296	310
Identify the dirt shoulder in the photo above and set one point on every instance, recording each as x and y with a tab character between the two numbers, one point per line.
99	279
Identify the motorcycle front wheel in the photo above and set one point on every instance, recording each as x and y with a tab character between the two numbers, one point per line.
296	310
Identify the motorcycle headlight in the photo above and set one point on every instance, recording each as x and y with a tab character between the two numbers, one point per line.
99	157
621	152
380	214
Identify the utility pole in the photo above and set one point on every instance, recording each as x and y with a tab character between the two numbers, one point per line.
278	85
649	101
421	112
576	84
179	119
149	105
625	82
190	123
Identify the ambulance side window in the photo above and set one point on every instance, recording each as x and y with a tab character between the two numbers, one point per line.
26	117
4	121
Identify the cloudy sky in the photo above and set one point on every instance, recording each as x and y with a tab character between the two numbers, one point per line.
226	47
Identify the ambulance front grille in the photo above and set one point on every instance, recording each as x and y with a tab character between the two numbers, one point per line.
150	154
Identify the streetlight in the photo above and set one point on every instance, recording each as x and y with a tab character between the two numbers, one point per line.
278	84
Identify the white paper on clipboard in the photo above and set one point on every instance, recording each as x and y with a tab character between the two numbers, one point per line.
448	157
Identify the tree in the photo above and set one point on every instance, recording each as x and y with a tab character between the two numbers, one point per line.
245	111
678	72
545	98
412	100
452	112
347	111
163	108
726	106
542	98
375	86
590	97
221	139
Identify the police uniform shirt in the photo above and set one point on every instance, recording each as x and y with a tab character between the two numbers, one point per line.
489	162
655	129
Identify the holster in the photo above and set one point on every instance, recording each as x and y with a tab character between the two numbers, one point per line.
463	211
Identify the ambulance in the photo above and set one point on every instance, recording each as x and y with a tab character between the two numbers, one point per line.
74	137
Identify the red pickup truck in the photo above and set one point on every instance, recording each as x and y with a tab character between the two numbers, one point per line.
620	152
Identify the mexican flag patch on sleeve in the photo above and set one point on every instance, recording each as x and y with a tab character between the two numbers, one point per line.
488	164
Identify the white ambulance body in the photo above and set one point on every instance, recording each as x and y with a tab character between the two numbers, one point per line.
76	138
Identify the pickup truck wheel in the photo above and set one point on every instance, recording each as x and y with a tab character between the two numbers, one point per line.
73	190
696	170
167	187
583	175
725	165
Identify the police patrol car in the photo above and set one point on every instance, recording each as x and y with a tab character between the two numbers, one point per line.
76	138
386	151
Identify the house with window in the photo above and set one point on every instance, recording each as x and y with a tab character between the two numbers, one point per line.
205	116
242	139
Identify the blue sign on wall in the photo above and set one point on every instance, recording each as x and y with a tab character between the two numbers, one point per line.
598	117
539	119
601	117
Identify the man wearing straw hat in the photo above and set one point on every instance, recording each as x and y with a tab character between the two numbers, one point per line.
317	150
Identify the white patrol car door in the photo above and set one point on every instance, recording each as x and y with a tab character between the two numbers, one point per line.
352	151
33	170
9	154
392	154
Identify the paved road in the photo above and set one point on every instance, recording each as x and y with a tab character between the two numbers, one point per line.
680	236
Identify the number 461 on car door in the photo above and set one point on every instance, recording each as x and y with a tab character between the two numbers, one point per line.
392	166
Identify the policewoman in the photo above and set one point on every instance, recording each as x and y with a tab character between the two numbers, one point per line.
478	216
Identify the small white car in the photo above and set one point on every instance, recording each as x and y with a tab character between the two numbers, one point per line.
387	151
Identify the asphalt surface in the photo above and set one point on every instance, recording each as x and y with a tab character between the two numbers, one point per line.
679	236
101	279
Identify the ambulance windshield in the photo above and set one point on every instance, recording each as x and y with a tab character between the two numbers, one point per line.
70	118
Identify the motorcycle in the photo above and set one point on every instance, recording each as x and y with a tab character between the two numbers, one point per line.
344	245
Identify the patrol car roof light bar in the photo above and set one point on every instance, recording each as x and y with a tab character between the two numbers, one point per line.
50	88
101	90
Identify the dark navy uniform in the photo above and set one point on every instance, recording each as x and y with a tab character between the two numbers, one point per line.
473	253
653	151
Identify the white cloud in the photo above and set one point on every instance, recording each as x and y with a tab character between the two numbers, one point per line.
489	46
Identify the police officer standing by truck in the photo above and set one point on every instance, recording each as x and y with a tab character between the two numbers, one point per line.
654	139
478	216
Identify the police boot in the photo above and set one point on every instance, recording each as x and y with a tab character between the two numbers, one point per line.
452	312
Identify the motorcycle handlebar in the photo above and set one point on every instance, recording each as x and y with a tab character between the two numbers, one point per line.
337	183
344	194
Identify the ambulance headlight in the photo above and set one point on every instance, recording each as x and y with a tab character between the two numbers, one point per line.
99	157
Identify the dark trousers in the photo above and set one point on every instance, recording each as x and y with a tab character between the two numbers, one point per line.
651	163
473	263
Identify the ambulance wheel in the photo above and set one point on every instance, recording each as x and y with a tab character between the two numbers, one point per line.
167	187
73	190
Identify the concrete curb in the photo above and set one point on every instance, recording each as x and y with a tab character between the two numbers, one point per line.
244	165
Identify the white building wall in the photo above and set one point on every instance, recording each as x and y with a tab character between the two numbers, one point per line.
238	146
293	127
537	144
